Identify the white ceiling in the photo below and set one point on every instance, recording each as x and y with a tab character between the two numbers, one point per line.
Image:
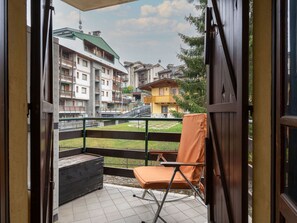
85	5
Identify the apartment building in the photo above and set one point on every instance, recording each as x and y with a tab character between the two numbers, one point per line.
141	74
131	68
91	75
173	72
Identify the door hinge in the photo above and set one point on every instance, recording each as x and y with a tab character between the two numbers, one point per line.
53	184
52	8
28	109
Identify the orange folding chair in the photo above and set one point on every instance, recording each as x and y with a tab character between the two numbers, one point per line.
186	172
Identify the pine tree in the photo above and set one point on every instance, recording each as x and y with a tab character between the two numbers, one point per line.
192	96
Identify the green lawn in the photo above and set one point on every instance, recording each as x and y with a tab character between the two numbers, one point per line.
139	126
154	126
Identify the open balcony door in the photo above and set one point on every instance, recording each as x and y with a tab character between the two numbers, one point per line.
285	162
227	57
41	112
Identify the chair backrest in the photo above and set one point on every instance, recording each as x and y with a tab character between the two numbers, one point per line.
192	143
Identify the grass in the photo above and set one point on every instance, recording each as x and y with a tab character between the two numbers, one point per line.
154	126
139	126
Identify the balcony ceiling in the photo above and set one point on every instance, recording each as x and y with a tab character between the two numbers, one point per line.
85	5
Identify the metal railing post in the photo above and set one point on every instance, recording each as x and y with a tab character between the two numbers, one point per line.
84	135
146	143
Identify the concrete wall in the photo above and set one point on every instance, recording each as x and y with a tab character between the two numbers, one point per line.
18	144
262	110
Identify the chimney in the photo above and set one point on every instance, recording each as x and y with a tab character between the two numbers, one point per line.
96	33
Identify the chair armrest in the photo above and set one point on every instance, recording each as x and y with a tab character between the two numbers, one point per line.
178	164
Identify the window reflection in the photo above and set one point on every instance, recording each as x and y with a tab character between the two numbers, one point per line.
291	46
290	147
290	164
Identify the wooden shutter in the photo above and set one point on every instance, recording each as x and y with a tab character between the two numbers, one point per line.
41	116
227	57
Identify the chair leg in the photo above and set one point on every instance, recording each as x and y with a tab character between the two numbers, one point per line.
150	192
190	184
143	195
157	215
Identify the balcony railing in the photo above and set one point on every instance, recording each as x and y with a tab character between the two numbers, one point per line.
67	94
68	63
72	108
159	99
116	88
67	78
84	134
97	90
118	99
125	79
97	78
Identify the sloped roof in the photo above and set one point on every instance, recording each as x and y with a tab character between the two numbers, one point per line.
95	40
166	82
78	46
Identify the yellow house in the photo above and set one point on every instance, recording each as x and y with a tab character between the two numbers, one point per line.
161	99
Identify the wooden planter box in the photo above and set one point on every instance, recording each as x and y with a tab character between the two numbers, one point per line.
79	175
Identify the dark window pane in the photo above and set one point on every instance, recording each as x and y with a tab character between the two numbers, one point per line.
291	59
290	163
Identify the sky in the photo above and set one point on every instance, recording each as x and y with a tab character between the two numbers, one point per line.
145	30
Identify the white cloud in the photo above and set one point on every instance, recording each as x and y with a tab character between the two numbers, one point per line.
168	8
66	20
166	17
147	10
182	27
144	23
108	9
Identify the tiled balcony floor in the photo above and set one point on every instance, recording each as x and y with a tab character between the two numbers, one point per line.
116	204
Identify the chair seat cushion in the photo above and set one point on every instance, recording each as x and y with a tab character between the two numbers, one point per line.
158	177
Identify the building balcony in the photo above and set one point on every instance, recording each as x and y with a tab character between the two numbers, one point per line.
97	78
115	202
68	63
116	79
72	109
67	78
97	90
67	94
116	88
126	101
117	99
125	79
167	99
